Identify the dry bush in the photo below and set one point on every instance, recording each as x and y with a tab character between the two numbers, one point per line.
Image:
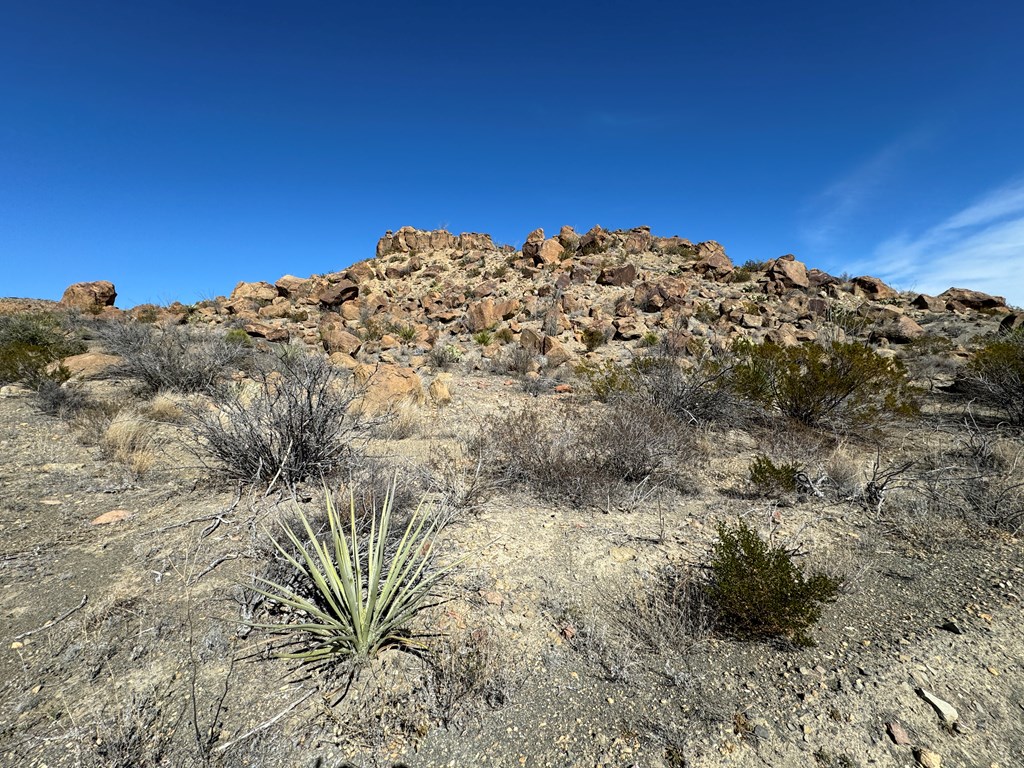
175	358
62	400
461	480
469	672
166	408
513	359
298	423
402	421
567	453
128	440
697	394
30	342
995	375
669	611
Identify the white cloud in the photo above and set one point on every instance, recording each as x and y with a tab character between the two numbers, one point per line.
979	247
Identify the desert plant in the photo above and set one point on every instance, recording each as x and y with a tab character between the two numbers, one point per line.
607	379
769	478
364	596
177	358
695	395
505	336
844	384
758	591
517	359
128	440
444	356
995	375
650	339
483	338
295	422
30	343
64	400
593	338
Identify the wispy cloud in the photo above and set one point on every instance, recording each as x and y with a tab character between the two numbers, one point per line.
979	247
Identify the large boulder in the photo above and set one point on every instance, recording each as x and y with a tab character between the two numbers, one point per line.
712	260
386	385
972	299
258	291
786	272
623	274
333	294
90	297
868	287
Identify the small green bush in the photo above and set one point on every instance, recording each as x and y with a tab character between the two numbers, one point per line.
758	592
483	338
995	375
593	338
844	383
505	336
770	478
607	379
444	356
649	339
29	343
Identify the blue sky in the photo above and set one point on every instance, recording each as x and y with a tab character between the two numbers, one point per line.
178	147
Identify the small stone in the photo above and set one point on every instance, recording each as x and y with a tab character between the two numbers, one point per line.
897	733
762	733
946	710
927	758
113	516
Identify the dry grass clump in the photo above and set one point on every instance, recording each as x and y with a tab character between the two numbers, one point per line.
166	408
128	440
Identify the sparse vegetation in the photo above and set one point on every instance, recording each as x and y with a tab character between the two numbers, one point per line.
30	343
994	375
845	383
770	479
758	591
593	338
483	338
176	358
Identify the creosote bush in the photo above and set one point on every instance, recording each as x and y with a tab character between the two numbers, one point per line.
758	591
294	422
769	478
177	358
843	384
995	375
29	343
364	594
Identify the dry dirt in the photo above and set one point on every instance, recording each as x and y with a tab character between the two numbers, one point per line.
122	643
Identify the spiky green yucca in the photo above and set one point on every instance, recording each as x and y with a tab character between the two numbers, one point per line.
365	595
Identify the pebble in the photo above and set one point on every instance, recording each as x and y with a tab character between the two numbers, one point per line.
946	710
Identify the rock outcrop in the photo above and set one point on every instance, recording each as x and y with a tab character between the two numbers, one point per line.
89	297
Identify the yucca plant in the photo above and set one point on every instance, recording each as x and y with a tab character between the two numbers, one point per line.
364	591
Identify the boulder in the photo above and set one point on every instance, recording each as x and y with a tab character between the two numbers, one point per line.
337	293
531	248
568	238
258	291
90	297
788	273
1012	322
900	331
555	352
595	240
712	260
336	339
266	331
928	303
623	274
549	252
972	299
386	385
89	365
872	288
293	287
637	240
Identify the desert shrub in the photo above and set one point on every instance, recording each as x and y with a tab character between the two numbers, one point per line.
238	336
516	359
668	611
696	395
842	384
64	400
444	356
995	375
363	596
650	339
177	358
609	379
29	343
769	478
505	336
593	338
483	338
296	421
576	455
757	590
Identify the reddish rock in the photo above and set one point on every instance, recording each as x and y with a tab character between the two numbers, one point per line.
337	293
972	299
266	331
90	297
596	240
872	288
388	385
293	287
555	352
336	338
929	303
637	240
568	238
712	260
531	248
550	252
624	274
789	273
485	314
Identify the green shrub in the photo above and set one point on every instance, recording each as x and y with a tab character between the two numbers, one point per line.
444	356
844	384
593	338
359	591
238	336
649	339
483	338
995	375
758	592
771	479
607	379
505	336
29	343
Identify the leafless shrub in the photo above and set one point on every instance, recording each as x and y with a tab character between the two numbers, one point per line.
177	358
693	395
297	422
513	359
61	400
460	479
468	673
670	610
164	407
569	454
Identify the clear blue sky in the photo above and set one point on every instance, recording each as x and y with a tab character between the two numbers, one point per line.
178	147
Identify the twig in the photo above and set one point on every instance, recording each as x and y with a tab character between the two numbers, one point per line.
213	565
266	723
58	620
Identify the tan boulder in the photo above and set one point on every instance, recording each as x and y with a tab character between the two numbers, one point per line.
386	385
89	365
333	294
258	291
555	352
336	339
531	248
266	331
550	252
293	287
789	273
568	238
440	390
928	303
637	240
712	260
487	313
90	297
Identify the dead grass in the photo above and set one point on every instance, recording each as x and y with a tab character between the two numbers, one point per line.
128	440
